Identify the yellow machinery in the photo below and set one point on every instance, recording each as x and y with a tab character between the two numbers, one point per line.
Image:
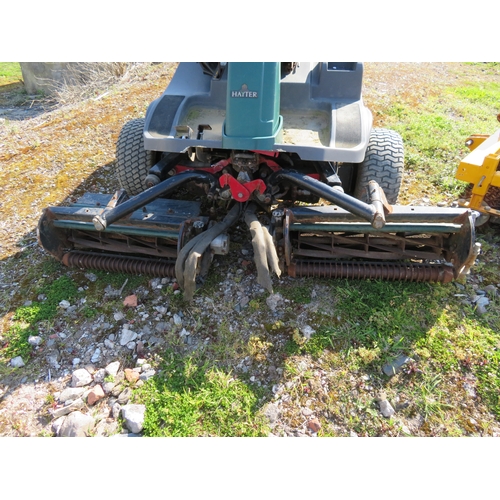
481	168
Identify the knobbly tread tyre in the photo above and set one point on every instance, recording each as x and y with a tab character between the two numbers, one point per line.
383	163
133	162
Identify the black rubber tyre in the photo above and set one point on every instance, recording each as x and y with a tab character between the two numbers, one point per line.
132	160
383	163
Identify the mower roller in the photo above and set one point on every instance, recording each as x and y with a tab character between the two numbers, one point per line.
289	149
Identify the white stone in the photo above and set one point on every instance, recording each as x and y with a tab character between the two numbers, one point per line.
177	320
482	301
17	362
109	344
64	304
52	360
307	331
112	368
273	300
405	430
134	417
107	387
76	425
386	408
76	361
96	356
118	316
35	340
147	375
56	425
70	394
127	336
99	376
77	404
81	378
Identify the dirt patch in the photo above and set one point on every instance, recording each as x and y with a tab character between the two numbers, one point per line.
410	83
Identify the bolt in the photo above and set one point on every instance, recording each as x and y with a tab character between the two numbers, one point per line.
378	221
99	223
240	195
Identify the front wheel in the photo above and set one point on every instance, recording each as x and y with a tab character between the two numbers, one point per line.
383	163
133	162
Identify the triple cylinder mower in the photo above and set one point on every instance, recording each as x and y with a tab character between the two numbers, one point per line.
289	149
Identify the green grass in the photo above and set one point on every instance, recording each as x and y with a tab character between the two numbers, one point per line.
26	317
192	397
118	280
375	315
10	72
300	293
380	321
435	133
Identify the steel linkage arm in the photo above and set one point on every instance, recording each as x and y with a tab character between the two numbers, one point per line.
102	221
373	213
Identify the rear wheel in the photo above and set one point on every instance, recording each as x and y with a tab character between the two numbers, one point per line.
383	163
133	162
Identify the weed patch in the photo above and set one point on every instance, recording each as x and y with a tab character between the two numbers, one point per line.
26	317
434	135
192	397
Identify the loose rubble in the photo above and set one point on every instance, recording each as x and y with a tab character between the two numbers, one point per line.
72	411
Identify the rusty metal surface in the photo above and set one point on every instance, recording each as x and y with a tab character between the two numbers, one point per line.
125	245
119	264
366	246
372	270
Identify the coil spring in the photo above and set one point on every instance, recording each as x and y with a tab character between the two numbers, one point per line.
386	271
120	264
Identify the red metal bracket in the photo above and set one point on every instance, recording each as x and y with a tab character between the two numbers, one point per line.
241	192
